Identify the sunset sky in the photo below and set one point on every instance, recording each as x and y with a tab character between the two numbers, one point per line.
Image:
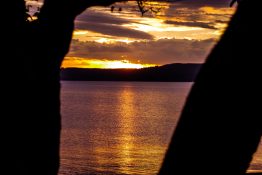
182	32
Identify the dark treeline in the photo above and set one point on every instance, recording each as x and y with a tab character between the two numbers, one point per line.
166	73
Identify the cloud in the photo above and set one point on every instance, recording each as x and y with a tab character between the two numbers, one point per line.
113	30
197	12
163	51
129	24
211	15
205	14
93	16
108	24
201	3
191	24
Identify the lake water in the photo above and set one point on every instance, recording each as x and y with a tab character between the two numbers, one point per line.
120	128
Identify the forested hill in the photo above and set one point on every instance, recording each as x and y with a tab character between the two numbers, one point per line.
166	73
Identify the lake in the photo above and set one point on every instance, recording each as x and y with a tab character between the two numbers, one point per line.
120	128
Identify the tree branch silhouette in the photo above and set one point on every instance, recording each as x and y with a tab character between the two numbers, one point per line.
144	8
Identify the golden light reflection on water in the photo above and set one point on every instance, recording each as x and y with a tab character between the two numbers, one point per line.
113	134
126	129
130	144
120	128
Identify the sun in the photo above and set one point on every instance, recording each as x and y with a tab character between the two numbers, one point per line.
103	64
122	64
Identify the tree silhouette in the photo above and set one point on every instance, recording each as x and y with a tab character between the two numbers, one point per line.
31	55
144	7
220	126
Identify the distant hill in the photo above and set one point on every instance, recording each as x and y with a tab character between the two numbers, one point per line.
166	73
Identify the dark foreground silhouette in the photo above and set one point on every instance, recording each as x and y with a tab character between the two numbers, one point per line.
220	125
31	55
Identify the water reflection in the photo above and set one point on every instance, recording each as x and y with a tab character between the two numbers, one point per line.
126	129
119	128
115	128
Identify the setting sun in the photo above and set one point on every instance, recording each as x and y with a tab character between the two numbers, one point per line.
123	64
102	64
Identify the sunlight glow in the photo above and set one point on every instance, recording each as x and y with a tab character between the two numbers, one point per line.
103	64
103	40
110	41
218	11
116	33
156	24
85	35
80	32
158	28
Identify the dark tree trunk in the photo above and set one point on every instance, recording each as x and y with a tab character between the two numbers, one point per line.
31	57
220	126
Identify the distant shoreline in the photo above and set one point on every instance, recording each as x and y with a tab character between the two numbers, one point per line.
167	73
